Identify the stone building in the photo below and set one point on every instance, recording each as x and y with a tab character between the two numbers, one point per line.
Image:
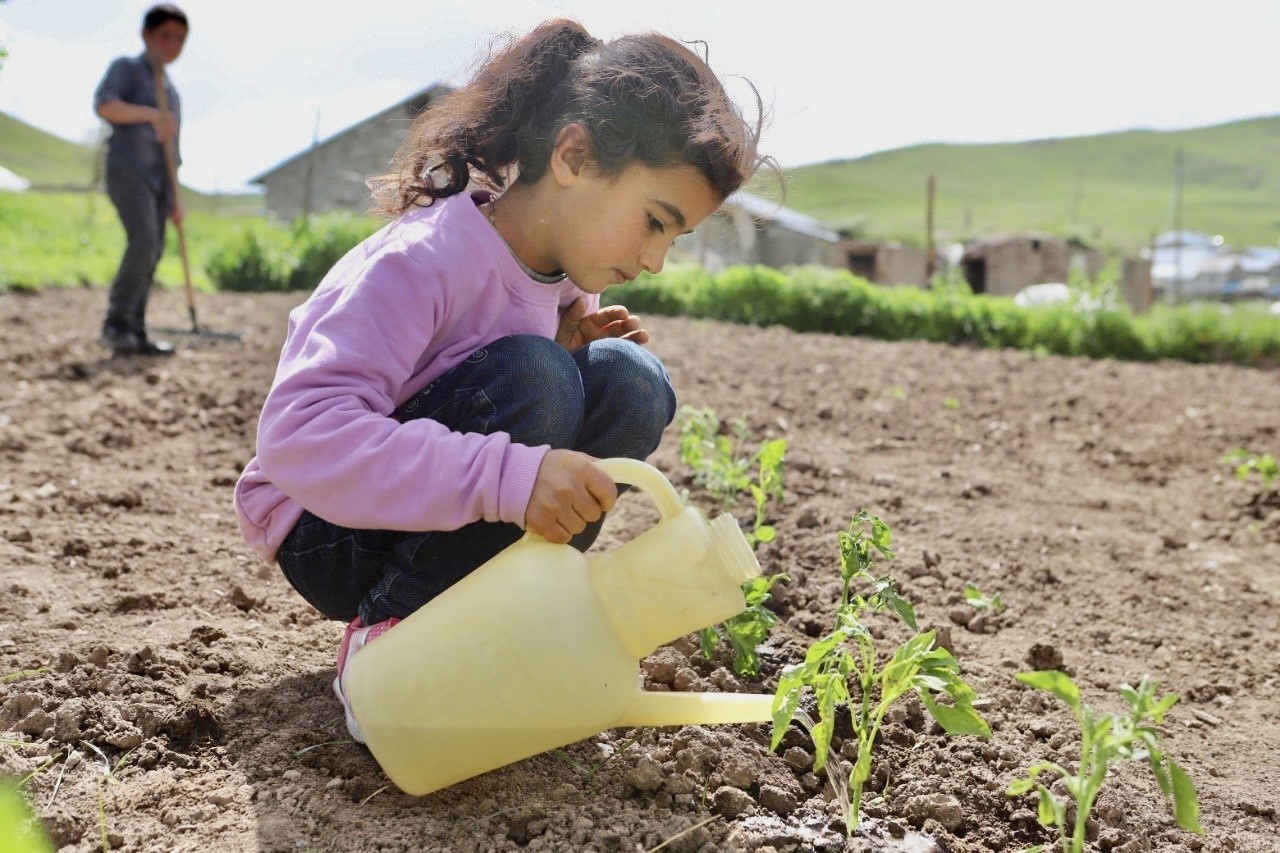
748	229
330	175
1003	264
886	262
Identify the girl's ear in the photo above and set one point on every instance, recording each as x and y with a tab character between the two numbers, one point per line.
570	153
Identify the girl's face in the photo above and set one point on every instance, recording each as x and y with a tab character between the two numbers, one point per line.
615	228
165	41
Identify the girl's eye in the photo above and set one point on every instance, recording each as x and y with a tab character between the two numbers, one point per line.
655	224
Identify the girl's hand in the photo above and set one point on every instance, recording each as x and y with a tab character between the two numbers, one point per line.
569	493
578	328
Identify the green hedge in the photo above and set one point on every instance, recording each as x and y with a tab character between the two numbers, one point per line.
269	257
818	299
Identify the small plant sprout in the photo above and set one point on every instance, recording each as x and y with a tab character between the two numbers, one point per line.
721	467
1247	463
1106	738
768	486
714	455
841	668
746	631
978	601
588	772
19	830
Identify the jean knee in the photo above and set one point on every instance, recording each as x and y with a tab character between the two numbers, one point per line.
539	389
631	377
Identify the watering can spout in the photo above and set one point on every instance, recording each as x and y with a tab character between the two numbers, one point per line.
691	709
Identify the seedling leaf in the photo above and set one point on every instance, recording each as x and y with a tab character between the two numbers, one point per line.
1055	682
1186	808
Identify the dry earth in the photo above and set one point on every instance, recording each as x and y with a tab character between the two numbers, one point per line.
163	688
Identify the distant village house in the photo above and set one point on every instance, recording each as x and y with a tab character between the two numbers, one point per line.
330	175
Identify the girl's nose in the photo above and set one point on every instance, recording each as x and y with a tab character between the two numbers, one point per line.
652	260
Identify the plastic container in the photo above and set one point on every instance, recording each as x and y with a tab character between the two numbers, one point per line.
539	647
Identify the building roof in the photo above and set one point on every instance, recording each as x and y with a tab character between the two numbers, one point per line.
770	212
11	181
413	105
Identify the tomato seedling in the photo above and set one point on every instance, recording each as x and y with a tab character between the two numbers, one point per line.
746	631
1106	738
840	669
724	472
1247	464
978	601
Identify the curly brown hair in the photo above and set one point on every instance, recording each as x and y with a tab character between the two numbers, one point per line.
641	98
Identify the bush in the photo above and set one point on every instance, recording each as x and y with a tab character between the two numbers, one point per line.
821	299
320	242
268	258
257	260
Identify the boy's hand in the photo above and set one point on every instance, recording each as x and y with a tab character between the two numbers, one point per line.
578	328
569	493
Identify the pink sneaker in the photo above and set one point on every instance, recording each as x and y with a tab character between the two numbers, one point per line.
356	637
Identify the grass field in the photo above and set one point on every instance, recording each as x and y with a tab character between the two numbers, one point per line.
60	238
1113	189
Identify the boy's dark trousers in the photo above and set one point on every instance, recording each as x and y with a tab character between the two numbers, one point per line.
143	206
610	398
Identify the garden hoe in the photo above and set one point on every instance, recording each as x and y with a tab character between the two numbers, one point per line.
171	162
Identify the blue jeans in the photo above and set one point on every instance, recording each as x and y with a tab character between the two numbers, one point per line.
610	398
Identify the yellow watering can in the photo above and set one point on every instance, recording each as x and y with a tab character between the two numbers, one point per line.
539	647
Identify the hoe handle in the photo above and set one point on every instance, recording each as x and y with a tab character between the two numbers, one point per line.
171	163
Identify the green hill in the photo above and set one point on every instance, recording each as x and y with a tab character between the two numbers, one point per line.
42	158
1112	189
50	162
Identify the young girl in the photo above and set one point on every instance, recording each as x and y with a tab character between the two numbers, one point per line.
452	378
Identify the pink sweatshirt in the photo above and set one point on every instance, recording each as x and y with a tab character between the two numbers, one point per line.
397	311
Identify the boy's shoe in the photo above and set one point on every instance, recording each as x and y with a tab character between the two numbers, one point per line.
356	637
146	346
120	341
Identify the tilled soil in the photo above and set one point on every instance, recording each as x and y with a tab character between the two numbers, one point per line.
161	688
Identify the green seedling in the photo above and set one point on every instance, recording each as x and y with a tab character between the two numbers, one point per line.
768	486
951	403
588	772
978	601
21	674
722	469
841	668
746	631
1106	738
108	778
715	455
20	832
1247	463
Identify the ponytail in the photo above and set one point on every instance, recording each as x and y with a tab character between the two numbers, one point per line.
480	131
641	99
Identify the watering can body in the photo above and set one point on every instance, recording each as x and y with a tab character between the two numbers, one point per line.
539	647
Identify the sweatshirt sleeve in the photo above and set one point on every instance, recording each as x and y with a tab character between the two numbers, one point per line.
326	437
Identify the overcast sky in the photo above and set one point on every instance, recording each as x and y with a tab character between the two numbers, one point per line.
258	76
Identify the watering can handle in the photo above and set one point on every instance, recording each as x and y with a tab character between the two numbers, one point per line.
646	478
